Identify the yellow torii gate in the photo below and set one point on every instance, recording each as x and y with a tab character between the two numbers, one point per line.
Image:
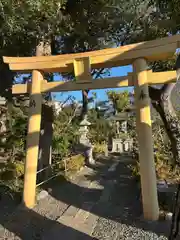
136	54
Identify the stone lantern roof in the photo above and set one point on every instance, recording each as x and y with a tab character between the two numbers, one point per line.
85	122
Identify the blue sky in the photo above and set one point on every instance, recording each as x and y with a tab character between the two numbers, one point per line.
101	93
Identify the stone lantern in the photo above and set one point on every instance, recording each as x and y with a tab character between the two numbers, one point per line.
85	142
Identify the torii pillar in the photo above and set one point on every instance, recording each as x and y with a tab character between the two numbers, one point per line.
145	141
34	127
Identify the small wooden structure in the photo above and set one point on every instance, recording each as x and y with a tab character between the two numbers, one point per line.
82	63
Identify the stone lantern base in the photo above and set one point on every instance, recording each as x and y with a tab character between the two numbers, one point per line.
89	156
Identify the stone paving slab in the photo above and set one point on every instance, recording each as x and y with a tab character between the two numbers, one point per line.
83	213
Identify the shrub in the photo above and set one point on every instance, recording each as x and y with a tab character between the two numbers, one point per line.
64	134
72	164
75	163
99	148
162	156
60	145
12	176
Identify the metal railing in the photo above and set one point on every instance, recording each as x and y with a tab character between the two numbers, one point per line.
56	174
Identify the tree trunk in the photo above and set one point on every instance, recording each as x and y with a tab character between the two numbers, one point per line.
95	74
45	142
161	101
85	104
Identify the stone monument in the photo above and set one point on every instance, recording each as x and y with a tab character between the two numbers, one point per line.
117	145
85	142
121	142
124	126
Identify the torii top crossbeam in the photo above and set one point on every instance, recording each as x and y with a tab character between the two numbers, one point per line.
160	49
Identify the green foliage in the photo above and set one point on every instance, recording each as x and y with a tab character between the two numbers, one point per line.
26	22
15	133
99	148
60	145
11	175
89	25
99	129
65	134
162	155
12	170
120	100
13	150
68	25
70	164
75	163
16	138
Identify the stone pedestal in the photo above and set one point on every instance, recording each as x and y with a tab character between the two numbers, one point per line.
126	146
128	143
117	145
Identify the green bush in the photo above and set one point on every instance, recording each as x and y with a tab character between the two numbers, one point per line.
71	164
11	176
75	163
99	131
162	156
99	148
60	145
12	171
65	134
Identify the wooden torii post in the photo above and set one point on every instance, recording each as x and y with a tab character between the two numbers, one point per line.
136	54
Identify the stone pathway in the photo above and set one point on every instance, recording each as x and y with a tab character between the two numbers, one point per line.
75	197
100	203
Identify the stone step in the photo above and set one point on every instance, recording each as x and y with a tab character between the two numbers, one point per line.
70	212
85	224
83	213
90	223
88	227
74	214
72	230
82	220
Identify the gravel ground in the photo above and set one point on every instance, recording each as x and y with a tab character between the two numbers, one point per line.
106	229
121	216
